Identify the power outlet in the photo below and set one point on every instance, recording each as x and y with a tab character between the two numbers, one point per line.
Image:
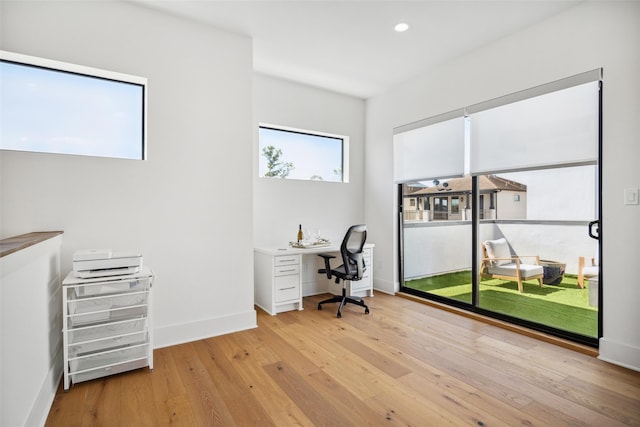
631	196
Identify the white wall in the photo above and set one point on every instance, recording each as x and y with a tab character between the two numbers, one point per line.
588	36
281	204
175	207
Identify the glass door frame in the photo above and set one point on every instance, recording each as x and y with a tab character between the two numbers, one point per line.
476	257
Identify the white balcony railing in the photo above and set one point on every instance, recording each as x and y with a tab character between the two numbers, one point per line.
437	247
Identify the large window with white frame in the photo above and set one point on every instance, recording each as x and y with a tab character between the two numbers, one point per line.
289	153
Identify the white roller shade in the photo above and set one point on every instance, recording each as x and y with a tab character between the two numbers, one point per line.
555	128
431	148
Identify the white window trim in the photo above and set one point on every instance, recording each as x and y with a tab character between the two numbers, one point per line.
344	138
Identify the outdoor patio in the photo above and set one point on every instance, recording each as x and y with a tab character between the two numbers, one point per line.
564	306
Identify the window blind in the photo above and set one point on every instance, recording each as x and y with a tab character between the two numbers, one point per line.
431	148
550	125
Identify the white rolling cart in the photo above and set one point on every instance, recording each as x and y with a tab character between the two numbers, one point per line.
106	325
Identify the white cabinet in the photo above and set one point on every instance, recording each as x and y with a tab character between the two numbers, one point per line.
277	282
106	325
283	276
30	323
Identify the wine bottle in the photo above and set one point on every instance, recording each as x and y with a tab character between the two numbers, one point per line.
300	236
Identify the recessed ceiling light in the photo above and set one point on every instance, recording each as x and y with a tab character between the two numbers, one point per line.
401	27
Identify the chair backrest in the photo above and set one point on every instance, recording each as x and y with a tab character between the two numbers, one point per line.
351	250
497	249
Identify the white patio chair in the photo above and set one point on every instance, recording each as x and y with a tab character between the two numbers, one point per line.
498	263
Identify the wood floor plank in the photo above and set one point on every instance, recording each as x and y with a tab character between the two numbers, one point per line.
375	358
614	405
454	394
408	410
67	409
102	405
137	399
206	400
338	362
223	371
171	401
404	364
282	411
518	391
472	408
549	416
319	410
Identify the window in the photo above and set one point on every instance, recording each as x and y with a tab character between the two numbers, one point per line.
55	107
288	153
441	208
455	205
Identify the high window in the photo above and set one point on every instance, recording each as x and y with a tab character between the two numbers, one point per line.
288	153
55	107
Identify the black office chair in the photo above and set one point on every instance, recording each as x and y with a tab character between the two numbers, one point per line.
352	267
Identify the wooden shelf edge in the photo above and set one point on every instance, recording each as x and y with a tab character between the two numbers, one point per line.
17	243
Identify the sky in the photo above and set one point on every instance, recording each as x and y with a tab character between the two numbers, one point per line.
310	154
54	111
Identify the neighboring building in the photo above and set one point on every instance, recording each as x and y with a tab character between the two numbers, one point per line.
450	200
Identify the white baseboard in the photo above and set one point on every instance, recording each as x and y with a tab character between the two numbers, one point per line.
385	286
193	331
619	354
44	399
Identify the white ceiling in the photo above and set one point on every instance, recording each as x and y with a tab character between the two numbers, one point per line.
350	46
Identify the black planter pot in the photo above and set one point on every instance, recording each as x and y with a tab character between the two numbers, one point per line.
553	271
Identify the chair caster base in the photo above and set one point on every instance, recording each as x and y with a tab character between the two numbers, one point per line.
344	300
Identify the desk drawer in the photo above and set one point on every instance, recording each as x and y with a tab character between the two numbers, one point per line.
286	260
287	288
287	270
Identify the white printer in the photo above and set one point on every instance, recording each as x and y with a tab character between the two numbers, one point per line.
103	263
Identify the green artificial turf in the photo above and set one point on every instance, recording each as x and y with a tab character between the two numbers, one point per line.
564	306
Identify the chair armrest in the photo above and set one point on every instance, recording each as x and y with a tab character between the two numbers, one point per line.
516	259
327	264
491	261
537	257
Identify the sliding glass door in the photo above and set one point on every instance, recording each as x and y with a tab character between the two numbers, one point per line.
529	187
543	223
437	247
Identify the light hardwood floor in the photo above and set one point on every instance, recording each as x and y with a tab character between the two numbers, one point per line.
405	363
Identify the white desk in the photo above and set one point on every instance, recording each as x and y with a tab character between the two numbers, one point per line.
282	276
